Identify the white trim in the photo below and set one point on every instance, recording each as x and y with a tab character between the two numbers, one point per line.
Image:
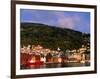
52	70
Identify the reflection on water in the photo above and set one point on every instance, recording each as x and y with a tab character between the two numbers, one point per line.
55	65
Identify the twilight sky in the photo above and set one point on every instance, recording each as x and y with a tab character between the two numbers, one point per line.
79	21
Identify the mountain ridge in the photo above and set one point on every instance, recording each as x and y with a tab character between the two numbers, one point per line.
30	23
50	37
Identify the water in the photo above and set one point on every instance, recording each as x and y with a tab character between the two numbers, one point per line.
55	65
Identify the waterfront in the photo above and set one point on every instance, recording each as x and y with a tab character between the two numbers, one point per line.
55	65
36	57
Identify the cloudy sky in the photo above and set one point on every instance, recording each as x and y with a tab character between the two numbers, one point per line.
79	21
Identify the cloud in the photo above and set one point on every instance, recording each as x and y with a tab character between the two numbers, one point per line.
73	20
55	18
67	21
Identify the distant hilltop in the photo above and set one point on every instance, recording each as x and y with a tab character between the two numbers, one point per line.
51	37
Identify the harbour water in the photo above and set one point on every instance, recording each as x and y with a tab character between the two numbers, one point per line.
56	65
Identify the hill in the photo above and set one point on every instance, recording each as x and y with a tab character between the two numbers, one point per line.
50	37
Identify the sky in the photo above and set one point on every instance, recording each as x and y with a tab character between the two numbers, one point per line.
79	21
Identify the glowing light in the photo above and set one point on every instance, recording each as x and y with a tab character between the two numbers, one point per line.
59	60
32	61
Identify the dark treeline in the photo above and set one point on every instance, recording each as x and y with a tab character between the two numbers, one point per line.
51	37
